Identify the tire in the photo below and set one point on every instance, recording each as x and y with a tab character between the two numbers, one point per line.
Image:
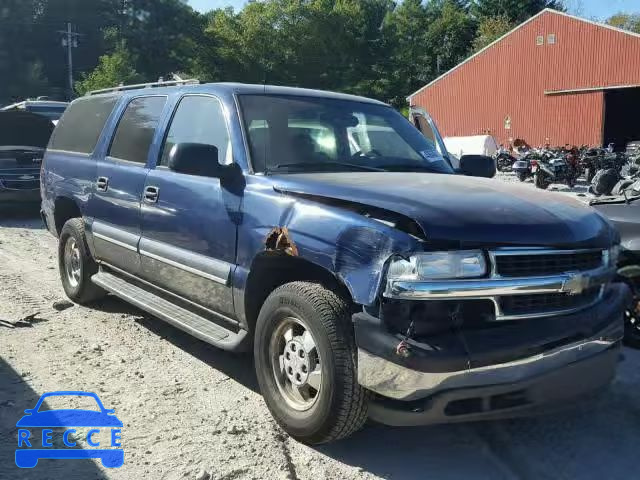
540	181
77	285
522	176
340	405
604	181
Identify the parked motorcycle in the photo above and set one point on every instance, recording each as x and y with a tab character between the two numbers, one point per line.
524	167
590	161
555	169
504	160
614	168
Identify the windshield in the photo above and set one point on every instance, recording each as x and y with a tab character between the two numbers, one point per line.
315	134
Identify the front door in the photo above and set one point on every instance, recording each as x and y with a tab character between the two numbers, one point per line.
425	124
115	206
188	243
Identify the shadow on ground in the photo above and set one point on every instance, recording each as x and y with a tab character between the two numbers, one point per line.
16	396
236	366
593	440
590	440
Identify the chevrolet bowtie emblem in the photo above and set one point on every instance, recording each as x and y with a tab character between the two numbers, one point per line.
576	284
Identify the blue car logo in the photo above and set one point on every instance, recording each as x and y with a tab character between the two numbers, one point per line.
27	457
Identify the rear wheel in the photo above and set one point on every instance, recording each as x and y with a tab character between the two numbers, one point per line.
76	265
305	363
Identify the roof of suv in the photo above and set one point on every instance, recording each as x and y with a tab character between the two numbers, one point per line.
243	88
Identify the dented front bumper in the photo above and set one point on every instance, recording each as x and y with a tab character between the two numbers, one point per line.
452	380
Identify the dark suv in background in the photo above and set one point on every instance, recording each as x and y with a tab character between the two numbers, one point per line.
336	239
25	128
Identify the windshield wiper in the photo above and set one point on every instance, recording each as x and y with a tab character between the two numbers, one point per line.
322	164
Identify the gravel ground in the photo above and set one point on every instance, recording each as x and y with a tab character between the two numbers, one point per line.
192	411
580	190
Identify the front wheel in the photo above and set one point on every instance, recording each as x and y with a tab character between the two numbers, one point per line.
305	355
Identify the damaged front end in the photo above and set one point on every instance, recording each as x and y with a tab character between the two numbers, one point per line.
524	335
455	329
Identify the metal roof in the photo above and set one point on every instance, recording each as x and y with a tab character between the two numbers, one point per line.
546	10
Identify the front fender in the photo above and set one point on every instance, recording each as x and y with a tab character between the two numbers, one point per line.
348	244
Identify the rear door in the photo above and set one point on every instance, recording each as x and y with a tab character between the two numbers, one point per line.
189	222
115	206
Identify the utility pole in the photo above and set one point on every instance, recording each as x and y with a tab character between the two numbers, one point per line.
70	41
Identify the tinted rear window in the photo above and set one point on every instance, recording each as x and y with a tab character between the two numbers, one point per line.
79	128
136	129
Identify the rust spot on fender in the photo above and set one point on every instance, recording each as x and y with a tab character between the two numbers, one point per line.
279	240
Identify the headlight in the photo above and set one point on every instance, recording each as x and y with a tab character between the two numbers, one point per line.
438	266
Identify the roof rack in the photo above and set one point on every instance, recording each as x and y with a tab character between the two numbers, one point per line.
169	83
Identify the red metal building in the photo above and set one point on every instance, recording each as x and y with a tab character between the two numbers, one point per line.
555	78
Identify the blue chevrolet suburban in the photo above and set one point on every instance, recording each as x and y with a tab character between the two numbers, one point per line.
371	275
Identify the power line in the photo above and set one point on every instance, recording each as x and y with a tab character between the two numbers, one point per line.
70	41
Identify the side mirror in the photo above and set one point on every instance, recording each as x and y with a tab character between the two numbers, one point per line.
478	166
195	159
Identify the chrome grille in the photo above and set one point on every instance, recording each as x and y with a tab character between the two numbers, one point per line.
534	264
544	303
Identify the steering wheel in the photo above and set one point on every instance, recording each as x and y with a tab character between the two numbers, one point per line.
371	153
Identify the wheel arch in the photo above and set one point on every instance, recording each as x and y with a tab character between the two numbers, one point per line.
270	270
64	209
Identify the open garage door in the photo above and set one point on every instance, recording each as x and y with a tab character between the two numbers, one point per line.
622	116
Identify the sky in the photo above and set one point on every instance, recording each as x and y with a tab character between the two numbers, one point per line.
593	9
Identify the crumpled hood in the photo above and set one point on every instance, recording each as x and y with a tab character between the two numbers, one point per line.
465	211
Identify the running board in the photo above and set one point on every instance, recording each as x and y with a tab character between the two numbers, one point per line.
179	317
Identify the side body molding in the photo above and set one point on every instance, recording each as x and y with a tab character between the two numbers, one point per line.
194	263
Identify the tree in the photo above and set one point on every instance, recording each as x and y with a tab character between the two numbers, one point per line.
90	18
626	21
162	34
490	29
516	11
112	70
21	72
451	35
410	56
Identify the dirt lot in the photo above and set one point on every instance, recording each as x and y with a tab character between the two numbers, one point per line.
191	411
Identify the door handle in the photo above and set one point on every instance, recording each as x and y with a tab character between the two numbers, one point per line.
102	184
151	194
